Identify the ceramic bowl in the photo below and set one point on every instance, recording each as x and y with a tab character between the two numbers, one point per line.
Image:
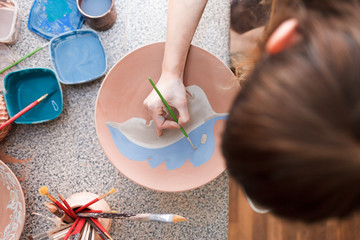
27	85
121	97
51	18
78	56
12	204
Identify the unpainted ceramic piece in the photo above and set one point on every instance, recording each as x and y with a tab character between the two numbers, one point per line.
9	22
121	97
79	199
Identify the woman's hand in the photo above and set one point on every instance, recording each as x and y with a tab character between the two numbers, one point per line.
174	92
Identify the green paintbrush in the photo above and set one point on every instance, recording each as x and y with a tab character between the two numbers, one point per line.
23	58
171	112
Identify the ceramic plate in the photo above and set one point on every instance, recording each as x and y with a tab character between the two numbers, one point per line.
12	204
49	18
27	85
78	56
121	97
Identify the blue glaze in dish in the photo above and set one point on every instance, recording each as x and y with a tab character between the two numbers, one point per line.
78	56
27	85
95	7
49	18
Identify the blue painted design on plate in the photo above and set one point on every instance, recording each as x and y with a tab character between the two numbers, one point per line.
174	155
78	56
27	85
49	18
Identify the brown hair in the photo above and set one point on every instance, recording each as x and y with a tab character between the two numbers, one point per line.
292	139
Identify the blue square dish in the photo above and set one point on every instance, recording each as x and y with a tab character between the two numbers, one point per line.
27	85
78	56
49	18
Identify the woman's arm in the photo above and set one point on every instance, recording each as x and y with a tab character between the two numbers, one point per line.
183	18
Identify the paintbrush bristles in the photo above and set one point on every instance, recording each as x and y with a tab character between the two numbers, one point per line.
177	218
191	143
107	194
44	190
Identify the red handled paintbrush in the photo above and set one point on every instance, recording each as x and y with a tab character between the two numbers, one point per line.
77	232
98	224
27	108
67	205
71	229
97	229
45	191
95	200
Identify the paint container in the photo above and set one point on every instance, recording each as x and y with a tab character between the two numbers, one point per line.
49	18
9	22
79	199
100	15
25	86
78	56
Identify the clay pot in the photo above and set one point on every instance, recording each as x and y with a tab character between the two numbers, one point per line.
79	199
4	116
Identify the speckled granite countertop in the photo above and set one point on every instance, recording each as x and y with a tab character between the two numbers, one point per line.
65	153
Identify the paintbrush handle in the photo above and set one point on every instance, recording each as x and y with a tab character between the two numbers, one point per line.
22	59
136	217
86	205
97	229
98	224
105	215
19	114
77	231
57	203
71	229
73	215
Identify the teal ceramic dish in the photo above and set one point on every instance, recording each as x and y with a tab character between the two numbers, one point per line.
78	56
27	85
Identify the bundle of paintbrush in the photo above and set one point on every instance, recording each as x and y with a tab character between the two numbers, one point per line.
80	228
84	223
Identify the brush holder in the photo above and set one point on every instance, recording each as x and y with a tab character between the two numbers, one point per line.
79	199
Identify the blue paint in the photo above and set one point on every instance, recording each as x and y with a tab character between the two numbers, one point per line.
49	18
174	155
95	8
27	85
56	9
78	56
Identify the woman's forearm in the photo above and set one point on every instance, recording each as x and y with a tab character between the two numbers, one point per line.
183	19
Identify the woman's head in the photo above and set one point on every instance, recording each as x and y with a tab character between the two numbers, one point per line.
292	139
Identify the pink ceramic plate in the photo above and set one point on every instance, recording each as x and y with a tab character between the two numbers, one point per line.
12	204
121	97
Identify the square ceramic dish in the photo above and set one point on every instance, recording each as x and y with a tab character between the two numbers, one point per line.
78	56
49	18
27	85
